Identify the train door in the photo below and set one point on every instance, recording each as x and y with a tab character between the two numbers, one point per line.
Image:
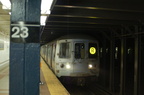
51	54
80	64
64	56
46	53
65	51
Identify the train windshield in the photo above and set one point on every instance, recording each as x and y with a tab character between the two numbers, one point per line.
92	50
79	50
64	50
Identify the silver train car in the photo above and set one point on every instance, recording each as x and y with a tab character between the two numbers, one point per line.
74	57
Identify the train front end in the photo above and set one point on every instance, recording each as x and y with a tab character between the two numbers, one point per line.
78	60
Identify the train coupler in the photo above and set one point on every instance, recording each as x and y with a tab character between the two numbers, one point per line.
81	81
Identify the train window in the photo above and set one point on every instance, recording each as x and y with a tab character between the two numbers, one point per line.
79	50
64	50
92	50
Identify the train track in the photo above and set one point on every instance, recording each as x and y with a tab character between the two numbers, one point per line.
97	90
78	90
86	90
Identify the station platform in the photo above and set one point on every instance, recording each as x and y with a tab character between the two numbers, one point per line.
4	78
51	85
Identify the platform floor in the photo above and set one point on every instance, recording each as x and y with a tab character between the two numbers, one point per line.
50	86
53	84
4	78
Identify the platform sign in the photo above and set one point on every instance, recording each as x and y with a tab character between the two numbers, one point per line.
22	32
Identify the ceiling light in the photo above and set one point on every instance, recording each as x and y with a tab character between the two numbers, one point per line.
43	20
45	6
45	9
6	4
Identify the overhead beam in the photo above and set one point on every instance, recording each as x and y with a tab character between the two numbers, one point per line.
106	14
71	20
119	4
98	8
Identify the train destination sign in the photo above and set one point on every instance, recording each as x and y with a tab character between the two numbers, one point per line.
25	33
92	50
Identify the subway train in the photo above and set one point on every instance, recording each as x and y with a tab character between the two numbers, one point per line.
73	58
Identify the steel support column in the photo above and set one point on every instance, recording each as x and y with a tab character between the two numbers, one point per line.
25	47
136	61
103	62
123	61
112	50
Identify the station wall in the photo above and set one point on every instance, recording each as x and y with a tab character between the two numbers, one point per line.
4	48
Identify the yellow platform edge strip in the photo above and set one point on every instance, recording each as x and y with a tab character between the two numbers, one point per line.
53	84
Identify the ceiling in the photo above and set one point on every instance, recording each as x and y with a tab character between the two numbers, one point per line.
92	17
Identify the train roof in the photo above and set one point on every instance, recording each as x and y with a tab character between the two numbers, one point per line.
76	36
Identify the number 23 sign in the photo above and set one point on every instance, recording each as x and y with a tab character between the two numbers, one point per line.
25	33
20	32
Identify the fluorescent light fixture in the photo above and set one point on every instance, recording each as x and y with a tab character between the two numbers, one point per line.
43	20
45	6
6	4
45	9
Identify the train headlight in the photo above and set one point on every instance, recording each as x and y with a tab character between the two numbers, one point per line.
68	66
90	66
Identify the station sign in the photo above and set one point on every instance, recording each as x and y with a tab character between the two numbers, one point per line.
22	32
